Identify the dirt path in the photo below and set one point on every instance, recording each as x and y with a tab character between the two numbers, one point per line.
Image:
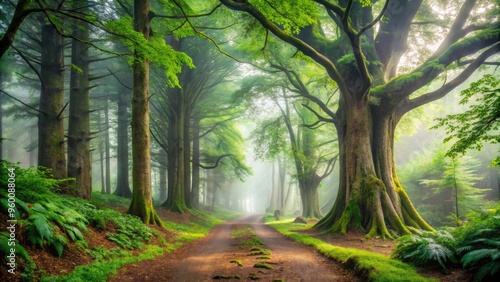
211	256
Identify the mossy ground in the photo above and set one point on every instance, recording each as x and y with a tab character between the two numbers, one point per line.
371	266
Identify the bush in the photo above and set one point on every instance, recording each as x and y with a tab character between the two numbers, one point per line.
48	223
426	248
480	245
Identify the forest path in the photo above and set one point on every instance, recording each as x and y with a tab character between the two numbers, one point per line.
210	256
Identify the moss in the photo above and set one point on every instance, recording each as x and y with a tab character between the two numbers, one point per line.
352	214
237	261
254	277
258	251
263	265
374	267
263	257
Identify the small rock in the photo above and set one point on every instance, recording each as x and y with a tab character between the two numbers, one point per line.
300	219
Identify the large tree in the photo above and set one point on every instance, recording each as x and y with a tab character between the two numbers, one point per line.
142	199
51	153
374	93
79	164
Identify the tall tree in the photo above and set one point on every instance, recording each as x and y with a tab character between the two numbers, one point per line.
51	153
142	198
79	164
122	176
373	95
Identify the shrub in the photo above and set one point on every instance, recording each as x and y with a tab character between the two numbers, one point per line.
427	248
48	222
480	245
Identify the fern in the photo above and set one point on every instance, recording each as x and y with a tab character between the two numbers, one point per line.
5	248
427	248
483	256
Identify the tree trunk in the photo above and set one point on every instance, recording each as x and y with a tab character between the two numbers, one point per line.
142	200
101	153
272	201
373	199
195	193
79	164
107	146
1	114
122	177
309	195
51	153
187	158
163	183
176	201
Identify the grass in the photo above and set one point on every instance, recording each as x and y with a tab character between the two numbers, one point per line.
373	267
247	238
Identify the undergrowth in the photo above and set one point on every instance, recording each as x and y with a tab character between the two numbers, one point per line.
52	221
476	245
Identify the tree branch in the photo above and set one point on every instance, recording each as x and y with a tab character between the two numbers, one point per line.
409	105
22	103
403	86
297	43
217	161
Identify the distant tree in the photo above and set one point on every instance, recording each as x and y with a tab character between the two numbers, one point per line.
122	159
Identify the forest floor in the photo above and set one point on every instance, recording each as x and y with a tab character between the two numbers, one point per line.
210	258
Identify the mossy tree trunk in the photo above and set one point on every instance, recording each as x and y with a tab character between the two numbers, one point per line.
51	153
142	200
79	164
122	176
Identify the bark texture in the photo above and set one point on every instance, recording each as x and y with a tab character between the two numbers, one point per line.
79	164
51	153
122	182
142	201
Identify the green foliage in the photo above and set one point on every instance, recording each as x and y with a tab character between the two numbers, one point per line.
431	178
470	129
5	247
102	270
299	13
130	232
32	185
48	221
107	200
427	248
155	49
99	253
483	255
480	244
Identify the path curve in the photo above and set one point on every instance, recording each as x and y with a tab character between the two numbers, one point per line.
211	256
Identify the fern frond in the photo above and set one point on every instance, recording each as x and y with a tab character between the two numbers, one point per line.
475	256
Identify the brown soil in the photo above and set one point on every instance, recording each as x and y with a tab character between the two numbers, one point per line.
211	256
